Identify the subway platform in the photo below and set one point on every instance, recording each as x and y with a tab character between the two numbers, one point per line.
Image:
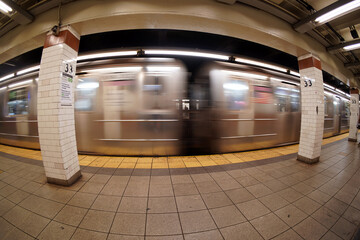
264	194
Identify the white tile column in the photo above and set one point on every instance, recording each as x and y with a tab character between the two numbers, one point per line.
354	114
56	107
312	109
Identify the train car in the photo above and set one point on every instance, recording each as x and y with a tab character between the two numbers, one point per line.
18	120
130	107
148	106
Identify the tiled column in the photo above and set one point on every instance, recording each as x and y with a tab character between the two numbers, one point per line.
56	107
354	114
312	109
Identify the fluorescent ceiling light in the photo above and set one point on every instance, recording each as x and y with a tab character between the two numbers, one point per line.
260	64
352	47
283	80
4	7
115	69
187	53
337	12
106	55
162	68
7	77
294	73
88	85
28	70
329	87
244	74
3	88
20	83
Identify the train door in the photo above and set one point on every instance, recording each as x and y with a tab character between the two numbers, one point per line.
86	93
232	111
337	117
288	113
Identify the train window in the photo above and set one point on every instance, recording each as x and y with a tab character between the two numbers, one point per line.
236	94
85	94
154	93
262	95
281	94
18	102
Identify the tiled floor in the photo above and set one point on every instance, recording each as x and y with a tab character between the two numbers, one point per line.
276	198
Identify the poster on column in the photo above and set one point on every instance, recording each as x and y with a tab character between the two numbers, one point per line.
67	85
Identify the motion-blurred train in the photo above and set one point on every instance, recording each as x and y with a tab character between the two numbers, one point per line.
154	106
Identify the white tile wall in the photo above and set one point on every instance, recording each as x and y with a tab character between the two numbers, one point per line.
56	122
312	122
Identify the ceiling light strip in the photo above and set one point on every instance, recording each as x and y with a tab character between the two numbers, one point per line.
337	12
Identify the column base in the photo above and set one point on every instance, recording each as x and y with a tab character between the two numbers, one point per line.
307	160
63	182
352	140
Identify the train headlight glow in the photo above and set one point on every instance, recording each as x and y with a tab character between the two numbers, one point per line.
88	85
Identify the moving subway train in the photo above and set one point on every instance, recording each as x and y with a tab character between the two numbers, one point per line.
154	106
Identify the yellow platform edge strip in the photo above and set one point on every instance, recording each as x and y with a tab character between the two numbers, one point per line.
172	161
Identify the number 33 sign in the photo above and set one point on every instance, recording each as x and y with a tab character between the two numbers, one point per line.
307	83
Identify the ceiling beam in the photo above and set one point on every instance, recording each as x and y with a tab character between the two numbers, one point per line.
306	24
337	47
21	16
352	65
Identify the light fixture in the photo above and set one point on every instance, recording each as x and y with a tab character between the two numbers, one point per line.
295	73
260	64
7	77
20	83
245	74
283	80
352	47
337	12
107	54
3	88
329	87
4	7
353	32
115	69
28	70
187	53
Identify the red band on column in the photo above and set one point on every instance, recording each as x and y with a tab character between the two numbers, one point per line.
309	62
65	37
354	91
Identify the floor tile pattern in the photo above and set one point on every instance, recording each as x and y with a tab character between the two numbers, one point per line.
274	198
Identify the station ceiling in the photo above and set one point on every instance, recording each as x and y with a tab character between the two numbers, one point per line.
334	35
